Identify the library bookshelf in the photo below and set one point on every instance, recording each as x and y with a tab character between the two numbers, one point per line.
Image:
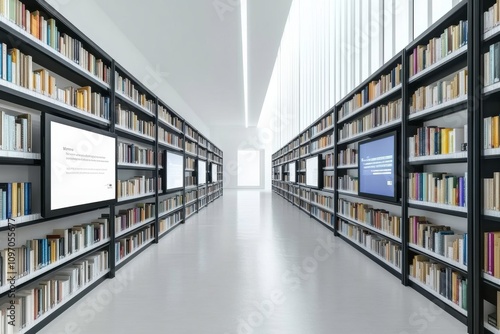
441	100
65	74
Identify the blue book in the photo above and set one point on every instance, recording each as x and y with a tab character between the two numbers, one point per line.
4	205
29	198
9	68
25	198
9	199
465	248
47	251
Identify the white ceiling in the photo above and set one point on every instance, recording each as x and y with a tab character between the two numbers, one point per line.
200	47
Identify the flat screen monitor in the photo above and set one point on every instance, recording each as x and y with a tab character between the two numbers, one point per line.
377	167
79	167
292	172
313	172
202	172
175	171
214	173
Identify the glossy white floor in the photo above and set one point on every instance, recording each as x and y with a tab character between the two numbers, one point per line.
252	263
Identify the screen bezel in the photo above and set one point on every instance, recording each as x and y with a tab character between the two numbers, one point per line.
294	163
213	178
395	197
166	171
320	172
46	165
198	172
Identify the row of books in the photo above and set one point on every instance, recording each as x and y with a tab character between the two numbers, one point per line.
492	253
128	245
377	218
444	90
348	183
170	138
324	216
301	178
202	152
326	201
325	123
305	137
441	188
192	195
439	239
170	221
190	209
492	16
452	39
37	254
34	302
16	132
215	158
305	194
202	202
442	279
495	315
190	181
304	150
348	156
491	192
329	159
170	203
131	121
202	141
191	132
190	163
491	132
433	140
134	154
47	31
329	181
306	206
138	185
166	116
15	199
190	147
372	91
19	69
127	87
322	142
388	250
127	218
491	69
376	117
296	142
202	192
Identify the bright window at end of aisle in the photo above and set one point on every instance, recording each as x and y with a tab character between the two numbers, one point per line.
249	168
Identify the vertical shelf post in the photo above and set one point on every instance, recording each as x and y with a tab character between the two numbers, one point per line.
405	265
474	183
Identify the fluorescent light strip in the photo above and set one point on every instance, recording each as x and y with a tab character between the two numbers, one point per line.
244	45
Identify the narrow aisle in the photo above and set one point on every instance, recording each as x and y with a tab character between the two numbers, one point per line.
252	263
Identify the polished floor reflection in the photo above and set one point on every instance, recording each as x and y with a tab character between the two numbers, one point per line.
252	263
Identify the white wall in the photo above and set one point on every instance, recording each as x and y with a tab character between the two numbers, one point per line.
333	46
230	139
92	21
